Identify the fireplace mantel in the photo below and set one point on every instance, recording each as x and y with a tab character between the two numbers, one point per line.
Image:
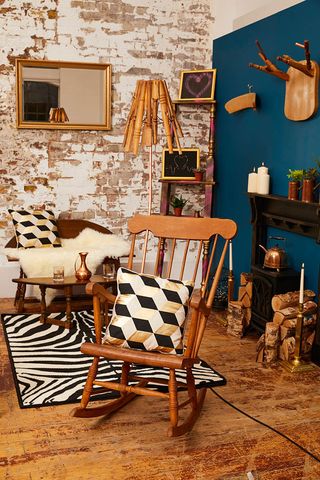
277	211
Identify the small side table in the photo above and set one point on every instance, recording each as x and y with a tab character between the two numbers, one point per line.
67	286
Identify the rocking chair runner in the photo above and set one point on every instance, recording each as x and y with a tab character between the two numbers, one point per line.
169	231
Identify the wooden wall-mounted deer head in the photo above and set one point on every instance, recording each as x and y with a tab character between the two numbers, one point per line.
302	78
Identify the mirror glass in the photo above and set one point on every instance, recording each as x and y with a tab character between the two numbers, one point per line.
63	95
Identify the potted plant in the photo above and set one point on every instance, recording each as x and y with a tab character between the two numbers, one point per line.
295	177
198	173
308	183
177	203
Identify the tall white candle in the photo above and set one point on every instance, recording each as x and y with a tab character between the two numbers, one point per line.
263	183
301	284
252	181
230	256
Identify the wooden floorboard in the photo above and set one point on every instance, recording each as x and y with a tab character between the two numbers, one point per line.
46	443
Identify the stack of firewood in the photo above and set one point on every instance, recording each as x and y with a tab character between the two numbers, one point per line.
239	311
278	341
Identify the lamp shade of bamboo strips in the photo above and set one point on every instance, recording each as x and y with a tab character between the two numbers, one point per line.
142	123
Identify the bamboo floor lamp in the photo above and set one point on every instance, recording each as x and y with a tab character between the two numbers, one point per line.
142	127
142	124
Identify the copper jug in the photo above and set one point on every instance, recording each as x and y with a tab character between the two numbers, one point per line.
275	257
83	272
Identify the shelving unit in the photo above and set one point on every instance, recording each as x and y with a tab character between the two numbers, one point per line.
208	183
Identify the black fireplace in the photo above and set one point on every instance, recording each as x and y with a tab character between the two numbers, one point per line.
265	284
293	216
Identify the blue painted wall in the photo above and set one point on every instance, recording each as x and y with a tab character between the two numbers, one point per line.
247	138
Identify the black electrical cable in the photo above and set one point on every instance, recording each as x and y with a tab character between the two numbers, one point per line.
266	425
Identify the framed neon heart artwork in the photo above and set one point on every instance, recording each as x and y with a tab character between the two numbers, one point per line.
197	85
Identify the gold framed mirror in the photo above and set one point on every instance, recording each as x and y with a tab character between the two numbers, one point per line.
63	95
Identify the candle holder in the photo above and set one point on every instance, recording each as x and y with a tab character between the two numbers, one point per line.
298	364
230	286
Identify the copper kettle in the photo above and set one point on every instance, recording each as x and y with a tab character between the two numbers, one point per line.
275	257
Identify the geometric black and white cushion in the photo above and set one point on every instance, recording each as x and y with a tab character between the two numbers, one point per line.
149	312
35	228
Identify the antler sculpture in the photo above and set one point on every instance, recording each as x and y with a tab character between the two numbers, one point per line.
269	66
306	68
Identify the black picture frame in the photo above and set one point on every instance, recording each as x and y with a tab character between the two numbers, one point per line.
197	85
177	166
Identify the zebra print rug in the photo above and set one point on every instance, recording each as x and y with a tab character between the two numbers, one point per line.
49	368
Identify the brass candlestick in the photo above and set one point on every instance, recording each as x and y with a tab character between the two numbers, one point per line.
297	364
230	286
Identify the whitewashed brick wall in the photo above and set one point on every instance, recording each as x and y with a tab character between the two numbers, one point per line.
83	174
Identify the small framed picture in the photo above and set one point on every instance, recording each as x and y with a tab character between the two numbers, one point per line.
197	85
177	166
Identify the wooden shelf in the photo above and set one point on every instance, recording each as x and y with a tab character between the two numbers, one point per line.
194	102
187	182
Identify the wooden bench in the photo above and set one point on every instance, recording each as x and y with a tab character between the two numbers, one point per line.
67	228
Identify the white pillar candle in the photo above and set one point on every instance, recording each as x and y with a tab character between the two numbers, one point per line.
263	170
263	183
230	256
252	182
301	284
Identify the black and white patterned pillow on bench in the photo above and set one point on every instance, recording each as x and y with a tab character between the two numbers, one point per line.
37	228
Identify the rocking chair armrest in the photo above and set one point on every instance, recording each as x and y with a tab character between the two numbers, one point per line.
198	303
97	289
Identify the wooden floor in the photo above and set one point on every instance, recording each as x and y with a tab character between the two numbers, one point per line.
46	443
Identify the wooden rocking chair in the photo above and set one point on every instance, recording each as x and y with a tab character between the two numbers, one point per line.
194	235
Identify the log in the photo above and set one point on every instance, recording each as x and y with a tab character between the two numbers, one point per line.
284	314
287	337
286	349
260	349
286	332
271	343
243	297
270	355
245	278
307	345
271	335
291	312
247	316
245	289
236	319
284	300
307	321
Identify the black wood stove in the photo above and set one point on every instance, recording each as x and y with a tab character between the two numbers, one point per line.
265	284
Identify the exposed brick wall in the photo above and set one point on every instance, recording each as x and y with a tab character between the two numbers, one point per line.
82	173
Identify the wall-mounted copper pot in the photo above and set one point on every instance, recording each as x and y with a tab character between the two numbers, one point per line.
275	257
